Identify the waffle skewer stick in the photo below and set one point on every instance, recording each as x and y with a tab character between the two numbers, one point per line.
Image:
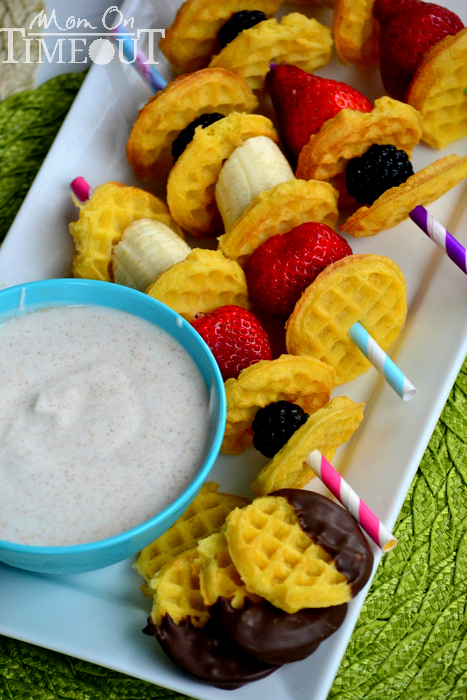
441	236
138	60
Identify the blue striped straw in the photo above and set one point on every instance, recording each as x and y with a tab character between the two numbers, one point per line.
139	61
380	360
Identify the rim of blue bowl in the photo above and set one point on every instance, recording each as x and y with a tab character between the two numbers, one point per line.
109	290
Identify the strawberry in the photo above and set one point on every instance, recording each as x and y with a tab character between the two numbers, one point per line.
408	29
303	102
235	337
281	268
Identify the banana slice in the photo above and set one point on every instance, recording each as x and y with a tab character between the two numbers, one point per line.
255	166
146	250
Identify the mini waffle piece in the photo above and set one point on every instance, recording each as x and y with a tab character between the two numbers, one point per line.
205	515
325	430
295	39
437	91
103	219
191	39
355	31
205	280
366	288
394	205
298	549
192	180
279	210
351	133
301	380
172	109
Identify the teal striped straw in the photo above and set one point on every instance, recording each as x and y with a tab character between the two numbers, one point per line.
139	61
380	360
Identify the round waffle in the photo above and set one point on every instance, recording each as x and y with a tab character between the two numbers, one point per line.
200	283
301	380
191	39
437	91
191	183
102	220
355	31
295	39
172	109
394	205
366	288
325	430
279	210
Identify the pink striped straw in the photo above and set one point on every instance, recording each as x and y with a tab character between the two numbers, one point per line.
441	236
81	189
369	522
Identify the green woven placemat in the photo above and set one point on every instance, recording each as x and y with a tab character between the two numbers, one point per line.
410	641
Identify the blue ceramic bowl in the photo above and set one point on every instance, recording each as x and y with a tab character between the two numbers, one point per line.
65	292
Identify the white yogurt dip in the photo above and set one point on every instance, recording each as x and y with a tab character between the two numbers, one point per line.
104	421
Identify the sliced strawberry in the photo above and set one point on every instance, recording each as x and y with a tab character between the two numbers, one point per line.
235	337
408	29
282	267
303	102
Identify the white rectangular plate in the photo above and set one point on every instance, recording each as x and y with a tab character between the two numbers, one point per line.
99	616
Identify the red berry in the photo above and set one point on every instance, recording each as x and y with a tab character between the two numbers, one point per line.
282	267
303	102
408	29
235	337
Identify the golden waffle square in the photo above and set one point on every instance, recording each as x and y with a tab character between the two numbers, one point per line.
168	112
205	515
279	210
351	133
191	39
103	219
279	561
394	205
325	430
176	592
200	283
301	380
437	91
366	288
192	180
355	31
295	39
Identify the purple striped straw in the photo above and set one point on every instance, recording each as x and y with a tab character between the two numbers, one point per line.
139	61
439	235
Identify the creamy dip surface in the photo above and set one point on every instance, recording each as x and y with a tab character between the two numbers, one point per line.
104	421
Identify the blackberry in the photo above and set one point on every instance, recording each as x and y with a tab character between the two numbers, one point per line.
185	136
275	424
237	23
380	168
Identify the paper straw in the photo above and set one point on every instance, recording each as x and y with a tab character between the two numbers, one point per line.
139	61
439	235
81	189
369	522
380	360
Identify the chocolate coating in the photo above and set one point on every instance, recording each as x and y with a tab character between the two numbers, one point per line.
207	654
274	636
336	531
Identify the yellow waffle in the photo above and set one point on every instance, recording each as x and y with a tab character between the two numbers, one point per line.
355	31
278	561
191	39
437	91
192	180
301	380
295	39
176	592
172	109
367	288
279	210
200	283
103	219
325	430
394	205
351	133
205	515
